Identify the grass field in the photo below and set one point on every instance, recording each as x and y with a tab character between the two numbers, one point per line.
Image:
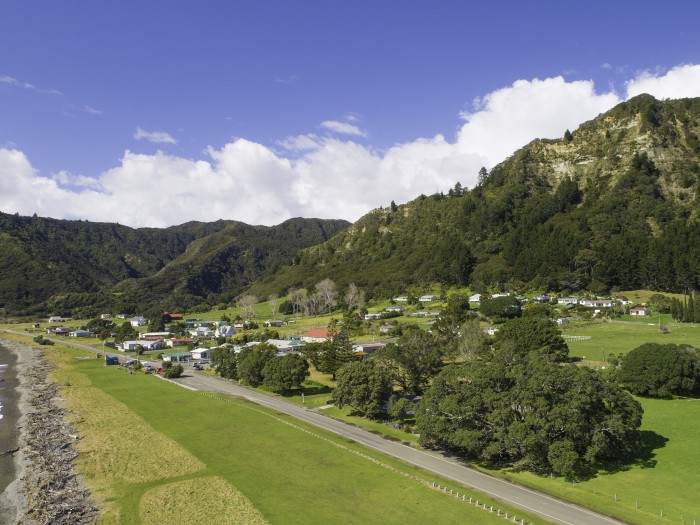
667	481
153	448
620	337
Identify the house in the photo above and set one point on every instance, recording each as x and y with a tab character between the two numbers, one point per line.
202	331
372	317
420	314
138	321
491	331
563	320
476	298
201	353
541	299
367	348
80	333
105	316
401	299
640	311
120	316
62	331
56	319
285	346
173	317
427	298
174	357
394	308
130	346
386	328
179	341
274	322
598	303
239	325
315	336
568	300
111	360
154	336
225	331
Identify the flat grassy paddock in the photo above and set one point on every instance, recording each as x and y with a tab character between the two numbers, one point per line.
620	337
286	474
668	480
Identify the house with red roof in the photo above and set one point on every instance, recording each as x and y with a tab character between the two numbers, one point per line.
318	335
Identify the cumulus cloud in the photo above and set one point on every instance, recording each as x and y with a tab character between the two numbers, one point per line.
343	128
679	82
316	175
157	137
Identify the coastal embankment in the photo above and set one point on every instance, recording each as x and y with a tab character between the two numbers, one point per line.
37	476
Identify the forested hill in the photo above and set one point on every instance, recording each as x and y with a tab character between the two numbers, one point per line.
50	265
613	204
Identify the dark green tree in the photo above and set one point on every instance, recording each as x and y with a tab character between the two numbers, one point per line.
499	308
334	353
657	370
518	337
251	362
173	372
282	374
363	385
224	361
413	361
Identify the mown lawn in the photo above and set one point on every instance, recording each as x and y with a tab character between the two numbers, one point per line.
619	337
667	479
288	475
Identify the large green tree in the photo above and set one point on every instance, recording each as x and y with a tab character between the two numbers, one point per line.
251	362
541	415
658	370
363	385
520	336
413	360
282	374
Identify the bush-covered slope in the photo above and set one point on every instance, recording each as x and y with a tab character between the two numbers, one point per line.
613	204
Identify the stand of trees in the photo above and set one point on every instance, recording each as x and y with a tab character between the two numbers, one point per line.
663	371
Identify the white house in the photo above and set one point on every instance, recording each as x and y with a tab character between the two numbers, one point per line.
562	321
568	300
225	330
201	353
274	322
138	321
80	333
154	335
202	331
640	311
318	335
401	299
56	319
130	346
428	298
394	308
598	303
476	298
371	317
105	316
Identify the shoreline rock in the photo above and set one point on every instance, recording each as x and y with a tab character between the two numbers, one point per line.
47	489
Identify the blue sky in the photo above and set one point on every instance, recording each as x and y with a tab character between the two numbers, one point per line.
155	113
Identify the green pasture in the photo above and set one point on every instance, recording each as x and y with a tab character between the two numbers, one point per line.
287	473
666	480
617	337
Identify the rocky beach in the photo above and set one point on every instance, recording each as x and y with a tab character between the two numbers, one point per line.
39	484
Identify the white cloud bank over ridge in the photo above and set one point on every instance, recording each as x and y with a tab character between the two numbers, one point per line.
314	176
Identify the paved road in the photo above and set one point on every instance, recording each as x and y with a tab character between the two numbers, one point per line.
552	509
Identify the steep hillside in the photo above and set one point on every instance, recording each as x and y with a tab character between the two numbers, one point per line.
58	265
613	204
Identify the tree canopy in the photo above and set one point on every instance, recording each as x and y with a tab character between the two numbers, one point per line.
363	385
657	370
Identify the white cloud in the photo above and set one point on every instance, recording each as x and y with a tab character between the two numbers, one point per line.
314	175
678	82
12	81
343	128
157	137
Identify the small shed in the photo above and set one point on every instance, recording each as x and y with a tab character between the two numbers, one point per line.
111	360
